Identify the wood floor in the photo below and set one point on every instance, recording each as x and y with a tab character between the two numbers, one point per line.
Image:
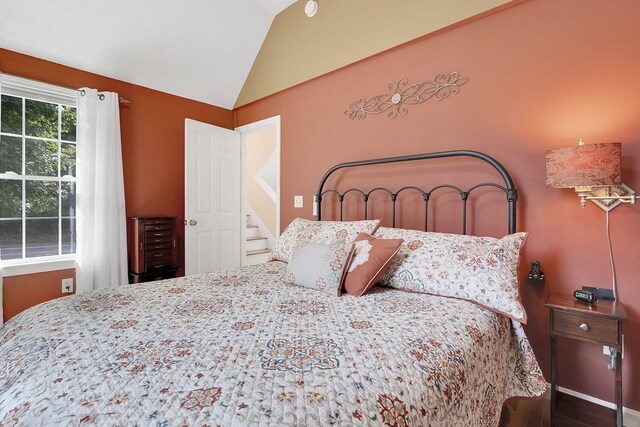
571	412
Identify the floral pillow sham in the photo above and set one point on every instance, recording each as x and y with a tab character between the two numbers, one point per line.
371	259
479	269
304	230
320	266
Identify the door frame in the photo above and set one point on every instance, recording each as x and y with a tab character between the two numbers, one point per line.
244	130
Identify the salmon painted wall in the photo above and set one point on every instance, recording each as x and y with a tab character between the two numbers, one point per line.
26	290
152	128
542	75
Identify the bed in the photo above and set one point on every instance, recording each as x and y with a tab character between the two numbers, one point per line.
243	348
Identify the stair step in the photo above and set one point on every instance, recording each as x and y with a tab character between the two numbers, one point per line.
251	232
250	239
254	244
258	252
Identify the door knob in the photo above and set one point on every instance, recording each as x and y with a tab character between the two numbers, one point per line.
193	222
585	327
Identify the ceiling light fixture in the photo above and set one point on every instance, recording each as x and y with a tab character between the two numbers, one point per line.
311	8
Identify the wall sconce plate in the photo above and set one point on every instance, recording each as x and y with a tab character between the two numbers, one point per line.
614	191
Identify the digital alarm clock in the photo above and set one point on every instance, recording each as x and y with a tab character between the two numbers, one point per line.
585	296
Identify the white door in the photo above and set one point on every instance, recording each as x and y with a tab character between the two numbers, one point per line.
212	198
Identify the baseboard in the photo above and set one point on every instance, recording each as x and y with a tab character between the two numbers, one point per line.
631	416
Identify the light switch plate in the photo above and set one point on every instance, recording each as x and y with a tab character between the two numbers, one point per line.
298	201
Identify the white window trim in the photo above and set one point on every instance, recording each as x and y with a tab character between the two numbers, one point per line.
26	88
37	265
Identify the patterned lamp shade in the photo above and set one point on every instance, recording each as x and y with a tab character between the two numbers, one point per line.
589	165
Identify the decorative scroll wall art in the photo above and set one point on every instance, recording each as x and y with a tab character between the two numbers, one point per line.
395	103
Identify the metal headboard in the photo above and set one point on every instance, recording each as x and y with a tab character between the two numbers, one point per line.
509	189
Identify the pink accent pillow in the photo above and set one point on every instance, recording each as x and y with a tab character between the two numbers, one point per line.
370	261
479	269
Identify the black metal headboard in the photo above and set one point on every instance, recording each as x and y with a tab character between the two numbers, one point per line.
508	188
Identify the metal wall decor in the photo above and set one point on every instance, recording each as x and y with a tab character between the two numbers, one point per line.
395	103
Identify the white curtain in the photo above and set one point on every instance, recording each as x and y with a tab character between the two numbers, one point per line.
1	275
1	298
101	223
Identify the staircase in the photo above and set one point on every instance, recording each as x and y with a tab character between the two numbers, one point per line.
256	246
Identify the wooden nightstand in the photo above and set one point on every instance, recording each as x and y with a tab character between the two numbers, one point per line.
599	323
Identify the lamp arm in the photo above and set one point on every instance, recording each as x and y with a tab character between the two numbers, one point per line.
624	199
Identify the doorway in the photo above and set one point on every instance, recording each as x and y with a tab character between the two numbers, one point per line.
260	189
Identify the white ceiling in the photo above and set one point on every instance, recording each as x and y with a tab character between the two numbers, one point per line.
198	49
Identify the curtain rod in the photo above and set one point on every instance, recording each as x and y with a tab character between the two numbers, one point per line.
121	100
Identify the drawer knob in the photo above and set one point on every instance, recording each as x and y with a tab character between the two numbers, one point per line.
584	327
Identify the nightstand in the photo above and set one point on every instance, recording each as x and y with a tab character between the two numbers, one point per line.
599	323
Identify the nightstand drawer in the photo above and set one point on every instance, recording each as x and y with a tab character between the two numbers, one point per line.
588	327
159	255
158	234
161	240
157	227
156	221
158	246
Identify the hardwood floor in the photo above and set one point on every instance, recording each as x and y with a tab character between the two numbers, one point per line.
571	412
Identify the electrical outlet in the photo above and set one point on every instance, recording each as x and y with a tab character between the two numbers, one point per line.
607	350
67	286
298	201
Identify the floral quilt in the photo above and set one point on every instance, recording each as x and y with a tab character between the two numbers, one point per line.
243	348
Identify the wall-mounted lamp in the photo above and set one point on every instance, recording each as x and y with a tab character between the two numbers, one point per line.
311	8
593	170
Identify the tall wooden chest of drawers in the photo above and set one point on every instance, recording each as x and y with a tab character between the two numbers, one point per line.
153	248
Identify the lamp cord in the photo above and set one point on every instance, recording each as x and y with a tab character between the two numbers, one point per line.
613	266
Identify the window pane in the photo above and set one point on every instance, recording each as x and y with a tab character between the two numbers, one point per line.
68	123
42	237
68	235
68	199
11	114
10	154
41	199
42	119
41	157
10	239
10	198
67	159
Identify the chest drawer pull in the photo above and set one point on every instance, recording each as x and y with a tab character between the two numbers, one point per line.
585	327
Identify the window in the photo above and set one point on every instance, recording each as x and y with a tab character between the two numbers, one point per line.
37	170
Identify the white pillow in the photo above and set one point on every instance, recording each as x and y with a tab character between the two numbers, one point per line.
319	266
304	230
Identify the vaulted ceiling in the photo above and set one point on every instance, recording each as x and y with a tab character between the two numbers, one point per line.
205	49
198	49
